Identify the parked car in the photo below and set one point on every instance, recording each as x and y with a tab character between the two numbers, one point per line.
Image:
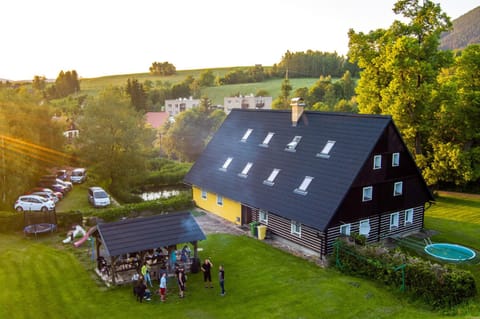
33	203
62	174
47	195
66	184
79	175
46	189
98	197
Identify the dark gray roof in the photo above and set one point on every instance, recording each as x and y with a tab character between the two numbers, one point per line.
143	233
355	137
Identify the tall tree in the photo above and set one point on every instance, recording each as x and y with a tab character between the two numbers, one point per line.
138	95
114	140
400	66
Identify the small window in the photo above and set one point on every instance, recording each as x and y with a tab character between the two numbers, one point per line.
398	189
409	216
364	228
271	178
345	229
377	162
395	159
293	144
247	134
267	139
302	190
394	221
325	153
219	200
296	228
247	167
367	193
225	165
263	216
204	194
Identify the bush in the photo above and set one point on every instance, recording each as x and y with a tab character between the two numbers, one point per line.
439	286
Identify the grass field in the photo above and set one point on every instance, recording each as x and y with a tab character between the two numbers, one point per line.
216	94
45	279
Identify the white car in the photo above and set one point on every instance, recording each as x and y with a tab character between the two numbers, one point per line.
33	203
47	195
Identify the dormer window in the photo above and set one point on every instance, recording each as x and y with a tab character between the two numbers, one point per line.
246	135
325	153
302	190
271	178
377	162
267	139
225	165
247	167
293	144
395	159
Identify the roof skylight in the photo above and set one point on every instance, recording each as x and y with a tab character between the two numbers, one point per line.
267	139
325	153
271	178
246	135
302	190
247	167
293	144
225	165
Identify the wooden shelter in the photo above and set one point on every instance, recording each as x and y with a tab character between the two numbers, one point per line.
141	235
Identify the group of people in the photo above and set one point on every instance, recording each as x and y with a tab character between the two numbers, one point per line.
142	280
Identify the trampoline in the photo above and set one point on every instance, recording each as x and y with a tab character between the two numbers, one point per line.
42	228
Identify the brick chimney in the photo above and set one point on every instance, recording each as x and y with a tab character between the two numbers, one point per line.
297	104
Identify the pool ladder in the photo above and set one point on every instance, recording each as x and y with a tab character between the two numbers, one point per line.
427	241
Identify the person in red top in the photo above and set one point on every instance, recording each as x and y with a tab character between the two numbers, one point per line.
207	275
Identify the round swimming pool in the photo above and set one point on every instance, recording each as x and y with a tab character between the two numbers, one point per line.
450	252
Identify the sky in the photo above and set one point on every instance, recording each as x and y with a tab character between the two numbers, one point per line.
108	37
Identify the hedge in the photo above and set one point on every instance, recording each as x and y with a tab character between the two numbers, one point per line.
440	286
14	222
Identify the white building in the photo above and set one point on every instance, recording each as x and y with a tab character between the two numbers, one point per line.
247	102
173	107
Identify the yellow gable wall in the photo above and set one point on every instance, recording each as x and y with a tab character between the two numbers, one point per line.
230	210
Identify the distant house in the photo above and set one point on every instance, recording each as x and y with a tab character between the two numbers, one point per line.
174	107
156	119
311	177
247	102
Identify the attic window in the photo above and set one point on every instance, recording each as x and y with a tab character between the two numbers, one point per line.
225	165
267	139
246	135
247	167
325	153
293	144
302	190
395	159
271	178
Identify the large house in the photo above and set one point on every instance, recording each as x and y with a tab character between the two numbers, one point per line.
311	177
247	102
177	106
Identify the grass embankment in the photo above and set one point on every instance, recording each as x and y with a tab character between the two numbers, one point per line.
45	279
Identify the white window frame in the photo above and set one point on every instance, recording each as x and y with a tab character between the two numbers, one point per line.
367	194
293	144
408	216
267	139
377	162
345	229
394	220
204	194
246	135
325	153
219	200
364	227
226	164
296	228
398	189
302	189
246	169
263	216
271	178
395	159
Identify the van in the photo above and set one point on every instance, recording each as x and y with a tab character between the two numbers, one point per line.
98	197
79	175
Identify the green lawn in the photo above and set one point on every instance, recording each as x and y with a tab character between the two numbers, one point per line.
44	278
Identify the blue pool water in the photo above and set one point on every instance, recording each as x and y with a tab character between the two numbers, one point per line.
450	252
